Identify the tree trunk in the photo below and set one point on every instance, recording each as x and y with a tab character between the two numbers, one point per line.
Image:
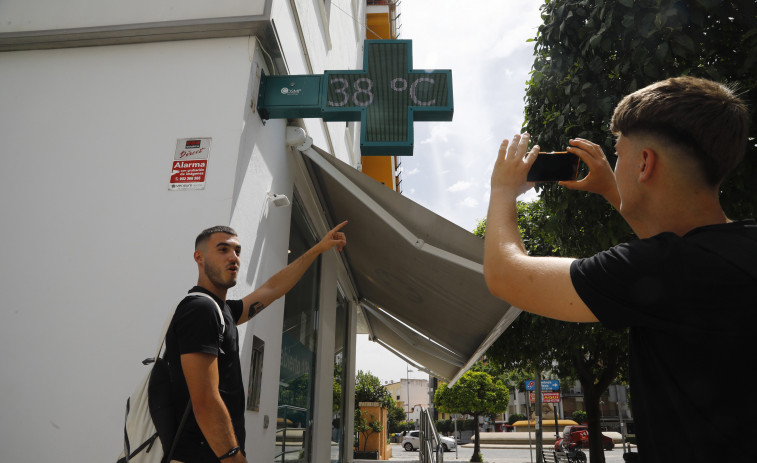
477	445
593	414
594	385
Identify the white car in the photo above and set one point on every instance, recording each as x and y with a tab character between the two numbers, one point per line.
412	441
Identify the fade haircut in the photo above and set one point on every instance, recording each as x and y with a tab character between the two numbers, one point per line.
706	119
205	234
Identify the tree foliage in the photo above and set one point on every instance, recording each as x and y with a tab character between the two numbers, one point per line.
368	388
589	54
475	394
396	419
589	352
366	425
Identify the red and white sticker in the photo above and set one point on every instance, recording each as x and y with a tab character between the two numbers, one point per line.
190	164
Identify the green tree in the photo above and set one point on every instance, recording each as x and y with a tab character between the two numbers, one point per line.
395	417
589	352
475	394
366	425
368	388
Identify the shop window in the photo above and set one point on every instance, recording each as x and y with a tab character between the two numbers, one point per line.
256	374
298	346
341	343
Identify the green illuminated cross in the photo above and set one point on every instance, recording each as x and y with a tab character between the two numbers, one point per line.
387	96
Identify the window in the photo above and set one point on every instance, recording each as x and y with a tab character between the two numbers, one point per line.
298	345
256	374
341	344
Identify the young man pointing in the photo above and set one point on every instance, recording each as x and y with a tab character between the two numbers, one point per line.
203	357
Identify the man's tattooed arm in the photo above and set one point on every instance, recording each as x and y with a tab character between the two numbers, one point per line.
255	308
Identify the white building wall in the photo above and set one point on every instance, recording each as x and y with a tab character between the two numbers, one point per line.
96	250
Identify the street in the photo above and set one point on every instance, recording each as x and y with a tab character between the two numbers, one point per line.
495	455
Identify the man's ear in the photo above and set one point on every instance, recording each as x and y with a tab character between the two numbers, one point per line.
647	164
198	257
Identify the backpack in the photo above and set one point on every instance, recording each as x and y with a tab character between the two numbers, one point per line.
149	412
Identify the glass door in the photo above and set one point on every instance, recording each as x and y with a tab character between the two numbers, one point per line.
294	428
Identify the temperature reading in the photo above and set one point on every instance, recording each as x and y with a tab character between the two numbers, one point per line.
400	85
361	96
387	96
360	92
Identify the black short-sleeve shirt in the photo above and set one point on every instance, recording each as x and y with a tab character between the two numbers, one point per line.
691	314
196	327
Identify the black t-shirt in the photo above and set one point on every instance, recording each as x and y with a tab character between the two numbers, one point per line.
692	312
196	327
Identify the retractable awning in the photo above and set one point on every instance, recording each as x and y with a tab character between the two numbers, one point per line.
419	277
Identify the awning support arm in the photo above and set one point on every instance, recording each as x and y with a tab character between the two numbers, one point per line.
448	356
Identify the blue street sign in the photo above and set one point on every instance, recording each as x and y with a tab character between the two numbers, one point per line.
546	385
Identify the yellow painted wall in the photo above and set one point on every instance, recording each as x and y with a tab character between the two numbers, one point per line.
379	26
379	168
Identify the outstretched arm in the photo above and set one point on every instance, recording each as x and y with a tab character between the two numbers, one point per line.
540	285
284	280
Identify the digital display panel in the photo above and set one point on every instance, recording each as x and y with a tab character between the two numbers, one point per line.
386	96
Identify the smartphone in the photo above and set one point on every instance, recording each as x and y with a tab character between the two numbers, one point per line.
553	167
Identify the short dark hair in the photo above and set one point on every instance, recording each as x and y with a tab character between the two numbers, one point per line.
705	118
205	234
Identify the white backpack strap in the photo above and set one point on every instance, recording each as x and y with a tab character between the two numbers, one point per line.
168	322
220	313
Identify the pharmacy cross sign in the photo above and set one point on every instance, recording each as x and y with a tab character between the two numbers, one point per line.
386	96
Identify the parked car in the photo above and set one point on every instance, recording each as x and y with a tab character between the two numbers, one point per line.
578	437
412	441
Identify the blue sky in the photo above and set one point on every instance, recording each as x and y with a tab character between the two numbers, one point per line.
484	43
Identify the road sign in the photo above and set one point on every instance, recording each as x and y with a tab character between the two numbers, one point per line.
546	397
386	96
546	385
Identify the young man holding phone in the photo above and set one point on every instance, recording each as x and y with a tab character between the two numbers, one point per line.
687	289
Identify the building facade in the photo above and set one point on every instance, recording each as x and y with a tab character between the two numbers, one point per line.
410	394
99	101
128	128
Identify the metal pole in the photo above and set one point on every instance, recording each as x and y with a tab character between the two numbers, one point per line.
454	419
528	422
284	437
537	418
622	426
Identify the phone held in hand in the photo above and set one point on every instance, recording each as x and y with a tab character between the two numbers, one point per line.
553	167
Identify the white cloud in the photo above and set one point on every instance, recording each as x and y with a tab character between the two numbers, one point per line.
490	61
469	202
459	186
438	135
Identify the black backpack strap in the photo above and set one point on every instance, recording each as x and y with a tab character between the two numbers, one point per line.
183	421
188	408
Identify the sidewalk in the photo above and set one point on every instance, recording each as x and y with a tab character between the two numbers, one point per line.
510	452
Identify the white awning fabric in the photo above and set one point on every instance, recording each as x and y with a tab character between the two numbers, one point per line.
419	277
